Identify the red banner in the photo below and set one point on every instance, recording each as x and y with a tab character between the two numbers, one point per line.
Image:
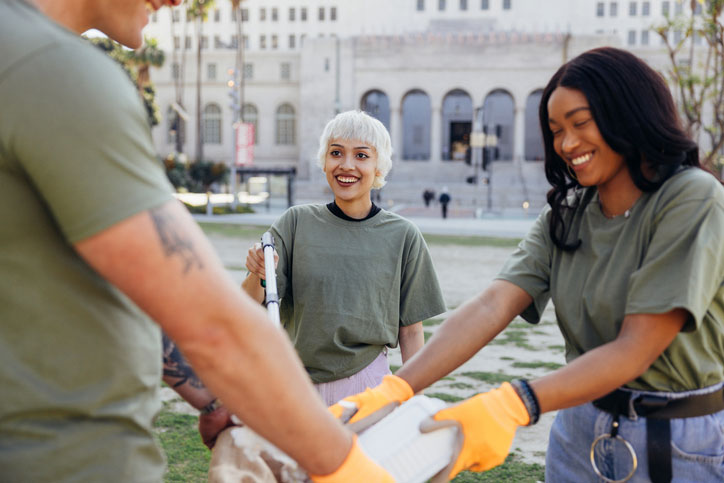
244	143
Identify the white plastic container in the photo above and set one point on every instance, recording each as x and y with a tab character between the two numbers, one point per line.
396	444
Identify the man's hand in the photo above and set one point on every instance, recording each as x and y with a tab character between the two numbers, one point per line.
211	424
366	408
486	425
357	466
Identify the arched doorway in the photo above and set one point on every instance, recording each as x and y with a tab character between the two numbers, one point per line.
457	124
498	115
416	112
377	104
533	137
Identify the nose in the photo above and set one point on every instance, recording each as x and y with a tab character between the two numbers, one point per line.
348	162
569	143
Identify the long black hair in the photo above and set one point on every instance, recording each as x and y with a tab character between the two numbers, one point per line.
636	115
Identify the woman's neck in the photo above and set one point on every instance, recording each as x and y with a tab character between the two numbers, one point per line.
357	209
617	200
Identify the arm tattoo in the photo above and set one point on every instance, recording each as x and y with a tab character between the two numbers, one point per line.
173	241
175	366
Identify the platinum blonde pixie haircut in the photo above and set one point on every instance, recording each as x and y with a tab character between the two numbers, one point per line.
357	125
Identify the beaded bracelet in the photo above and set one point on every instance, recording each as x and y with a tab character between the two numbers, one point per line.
530	401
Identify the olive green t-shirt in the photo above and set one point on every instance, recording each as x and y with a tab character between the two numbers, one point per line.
669	253
80	365
348	286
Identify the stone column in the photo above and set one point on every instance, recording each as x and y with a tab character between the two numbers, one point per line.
396	133
435	136
519	134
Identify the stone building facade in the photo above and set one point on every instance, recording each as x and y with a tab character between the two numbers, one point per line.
433	71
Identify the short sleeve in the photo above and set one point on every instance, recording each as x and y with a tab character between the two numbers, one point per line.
82	138
683	266
420	293
529	267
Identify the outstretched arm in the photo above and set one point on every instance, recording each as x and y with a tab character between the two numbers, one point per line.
489	420
642	339
163	262
179	375
468	329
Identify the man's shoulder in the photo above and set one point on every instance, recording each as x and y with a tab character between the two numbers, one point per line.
31	45
26	33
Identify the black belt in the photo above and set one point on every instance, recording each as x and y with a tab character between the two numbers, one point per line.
658	411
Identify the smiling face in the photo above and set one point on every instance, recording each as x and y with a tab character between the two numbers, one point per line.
577	140
351	167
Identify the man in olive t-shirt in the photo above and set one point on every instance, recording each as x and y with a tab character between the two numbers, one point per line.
90	242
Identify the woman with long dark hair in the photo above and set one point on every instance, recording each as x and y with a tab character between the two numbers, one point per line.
630	250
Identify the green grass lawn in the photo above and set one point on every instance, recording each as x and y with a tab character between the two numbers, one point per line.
233	231
188	458
471	241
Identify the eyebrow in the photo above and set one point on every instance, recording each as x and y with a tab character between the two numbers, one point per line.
572	112
356	147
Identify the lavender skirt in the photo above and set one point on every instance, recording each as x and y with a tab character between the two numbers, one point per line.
370	376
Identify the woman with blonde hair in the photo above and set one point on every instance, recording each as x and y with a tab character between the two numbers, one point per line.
353	278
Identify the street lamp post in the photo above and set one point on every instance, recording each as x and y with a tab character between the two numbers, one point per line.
235	116
483	141
491	142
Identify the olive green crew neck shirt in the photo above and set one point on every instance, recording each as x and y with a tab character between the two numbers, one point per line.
346	287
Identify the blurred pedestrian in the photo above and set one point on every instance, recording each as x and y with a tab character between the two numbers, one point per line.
427	196
444	200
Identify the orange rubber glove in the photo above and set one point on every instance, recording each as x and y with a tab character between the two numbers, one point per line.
357	466
486	424
366	408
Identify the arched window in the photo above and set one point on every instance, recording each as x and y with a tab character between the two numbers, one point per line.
533	138
175	127
251	115
212	124
416	114
377	104
457	124
285	121
498	121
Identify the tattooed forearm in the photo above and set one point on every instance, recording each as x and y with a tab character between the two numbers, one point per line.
176	367
173	241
